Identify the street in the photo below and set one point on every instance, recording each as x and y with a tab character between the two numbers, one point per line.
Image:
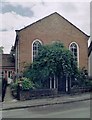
0	114
69	110
0	109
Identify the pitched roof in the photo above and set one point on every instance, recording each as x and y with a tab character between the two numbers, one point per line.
55	13
90	49
6	61
49	16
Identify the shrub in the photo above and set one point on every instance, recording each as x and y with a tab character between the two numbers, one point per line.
14	86
27	84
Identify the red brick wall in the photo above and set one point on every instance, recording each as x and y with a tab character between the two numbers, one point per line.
51	29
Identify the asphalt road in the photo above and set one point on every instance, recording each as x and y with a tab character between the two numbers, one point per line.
0	115
70	110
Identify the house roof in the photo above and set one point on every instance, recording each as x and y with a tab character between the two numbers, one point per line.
45	18
90	49
6	61
51	15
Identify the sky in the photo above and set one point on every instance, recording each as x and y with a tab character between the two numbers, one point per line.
17	14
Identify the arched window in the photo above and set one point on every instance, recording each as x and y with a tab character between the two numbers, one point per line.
75	50
35	47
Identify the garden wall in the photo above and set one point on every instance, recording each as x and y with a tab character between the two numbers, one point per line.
38	93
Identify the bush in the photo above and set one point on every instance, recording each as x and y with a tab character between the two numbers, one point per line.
89	83
13	87
0	86
27	84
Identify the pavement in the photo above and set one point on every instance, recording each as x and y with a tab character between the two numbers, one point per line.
62	99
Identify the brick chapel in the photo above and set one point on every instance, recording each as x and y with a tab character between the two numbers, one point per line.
46	31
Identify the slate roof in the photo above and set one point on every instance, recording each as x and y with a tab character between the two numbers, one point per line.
6	61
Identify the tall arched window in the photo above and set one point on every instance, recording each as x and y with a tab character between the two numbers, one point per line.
35	47
75	50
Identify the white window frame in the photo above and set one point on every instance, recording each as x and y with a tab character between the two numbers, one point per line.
77	51
36	40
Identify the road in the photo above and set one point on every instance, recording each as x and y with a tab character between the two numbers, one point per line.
0	114
70	110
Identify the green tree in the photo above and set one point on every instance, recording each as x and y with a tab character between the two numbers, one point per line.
1	49
12	54
52	60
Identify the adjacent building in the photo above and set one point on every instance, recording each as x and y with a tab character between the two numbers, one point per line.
8	66
90	59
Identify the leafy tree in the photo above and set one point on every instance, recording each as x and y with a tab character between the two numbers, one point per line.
1	49
52	60
12	54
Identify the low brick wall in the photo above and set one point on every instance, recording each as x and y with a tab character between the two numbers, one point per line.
81	90
39	93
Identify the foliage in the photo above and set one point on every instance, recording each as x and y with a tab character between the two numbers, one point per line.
1	49
89	82
14	86
0	83
52	60
82	79
25	83
12	58
12	54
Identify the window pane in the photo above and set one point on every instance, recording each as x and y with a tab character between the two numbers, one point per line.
73	48
36	46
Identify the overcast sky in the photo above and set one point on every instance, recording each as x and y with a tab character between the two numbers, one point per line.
18	14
